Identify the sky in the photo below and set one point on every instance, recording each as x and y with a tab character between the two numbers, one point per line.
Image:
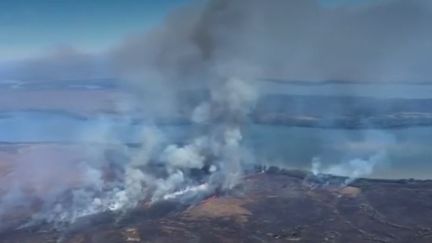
309	40
30	27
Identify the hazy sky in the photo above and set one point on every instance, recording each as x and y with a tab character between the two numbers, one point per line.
29	27
308	40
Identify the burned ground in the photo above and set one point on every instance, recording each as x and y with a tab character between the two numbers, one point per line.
276	206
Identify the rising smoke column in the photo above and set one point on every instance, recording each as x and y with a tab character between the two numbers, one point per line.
189	51
194	50
362	158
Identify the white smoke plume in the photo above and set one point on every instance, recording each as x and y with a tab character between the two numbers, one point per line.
159	66
362	160
353	169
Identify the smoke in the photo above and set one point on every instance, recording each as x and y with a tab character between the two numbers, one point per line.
363	158
158	67
384	41
187	157
311	40
38	175
353	169
60	63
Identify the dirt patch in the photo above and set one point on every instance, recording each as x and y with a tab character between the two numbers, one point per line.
131	235
220	208
350	191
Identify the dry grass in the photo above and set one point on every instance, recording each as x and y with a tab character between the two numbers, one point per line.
220	208
350	191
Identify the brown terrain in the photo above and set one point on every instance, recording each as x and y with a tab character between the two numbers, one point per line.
85	103
274	206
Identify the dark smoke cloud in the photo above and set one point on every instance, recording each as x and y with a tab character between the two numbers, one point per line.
296	40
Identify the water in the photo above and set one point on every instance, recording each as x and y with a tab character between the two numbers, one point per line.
375	90
409	150
409	153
